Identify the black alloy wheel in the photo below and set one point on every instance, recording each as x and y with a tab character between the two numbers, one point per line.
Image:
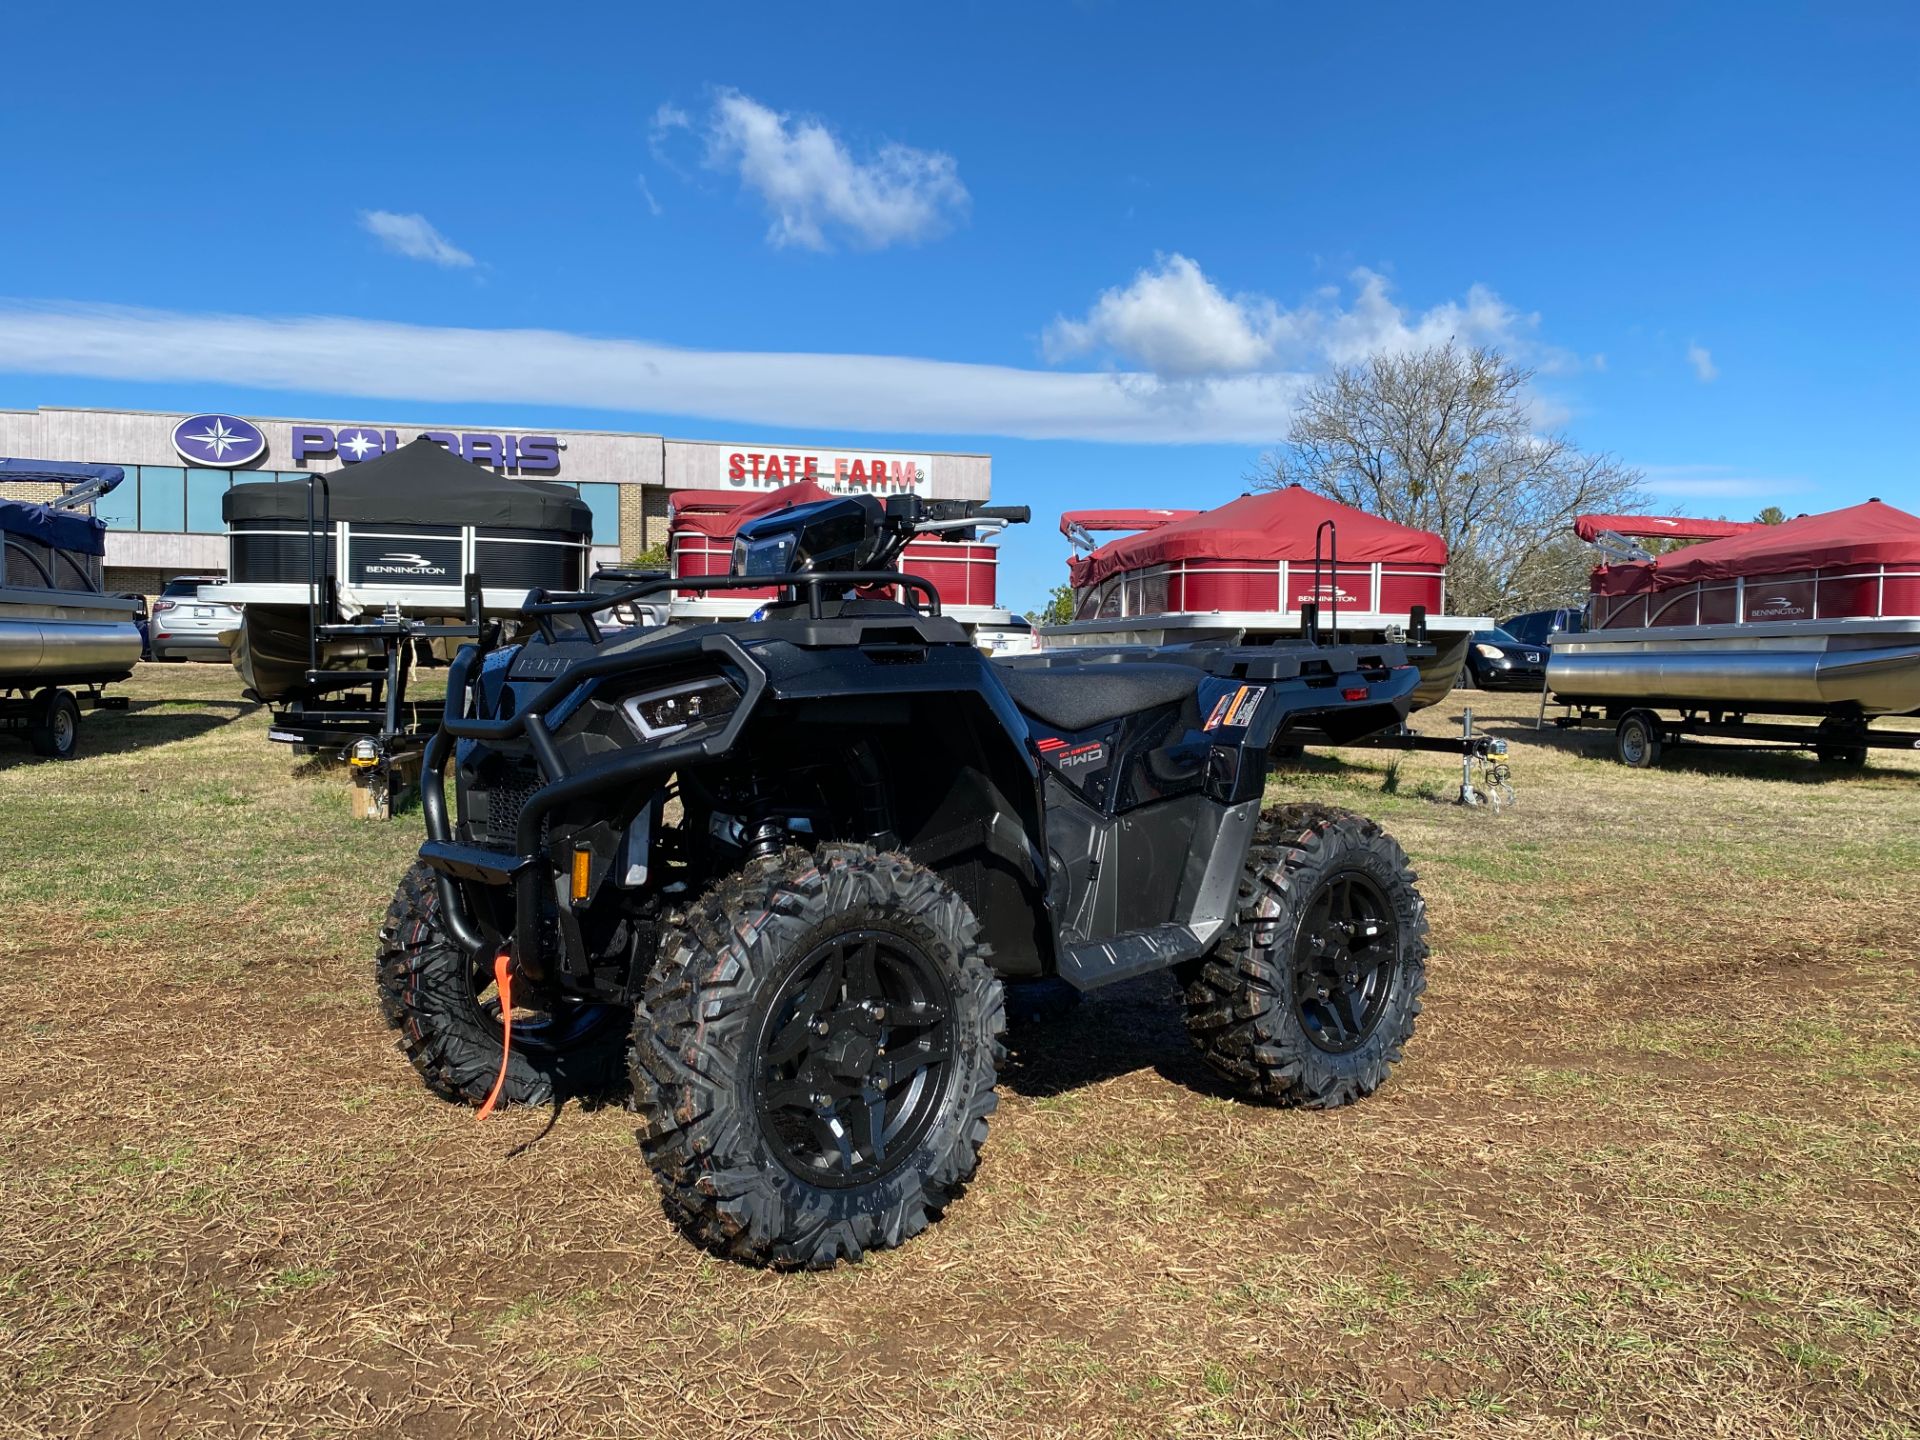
1343	955
854	1055
1311	995
815	1059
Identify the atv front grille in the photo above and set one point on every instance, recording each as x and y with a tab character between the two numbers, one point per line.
506	798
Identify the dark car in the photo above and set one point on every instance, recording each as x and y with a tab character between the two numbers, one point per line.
1497	660
1539	627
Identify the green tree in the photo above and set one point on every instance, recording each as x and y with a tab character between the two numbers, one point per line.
652	558
1058	610
1772	515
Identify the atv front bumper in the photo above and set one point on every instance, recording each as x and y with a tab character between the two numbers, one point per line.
528	870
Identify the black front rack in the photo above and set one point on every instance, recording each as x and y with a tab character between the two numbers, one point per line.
452	859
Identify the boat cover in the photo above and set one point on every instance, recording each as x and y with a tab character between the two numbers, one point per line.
1094	521
1874	533
1659	527
718	513
62	529
419	484
1270	525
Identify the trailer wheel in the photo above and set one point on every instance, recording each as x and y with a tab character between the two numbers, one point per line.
816	1058
55	729
1637	740
1312	995
1849	756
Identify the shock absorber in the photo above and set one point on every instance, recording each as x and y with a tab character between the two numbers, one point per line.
763	837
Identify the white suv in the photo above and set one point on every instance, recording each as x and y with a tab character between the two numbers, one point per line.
185	627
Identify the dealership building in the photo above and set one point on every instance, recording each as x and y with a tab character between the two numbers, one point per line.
164	518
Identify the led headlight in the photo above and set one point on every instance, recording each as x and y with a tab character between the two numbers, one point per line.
660	713
1489	652
771	556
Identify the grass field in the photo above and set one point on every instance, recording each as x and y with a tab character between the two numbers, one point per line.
1651	1166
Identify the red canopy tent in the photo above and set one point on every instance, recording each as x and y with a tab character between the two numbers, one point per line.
1256	554
1863	560
1097	521
1659	527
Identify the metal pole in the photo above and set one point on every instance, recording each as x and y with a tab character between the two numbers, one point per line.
1467	794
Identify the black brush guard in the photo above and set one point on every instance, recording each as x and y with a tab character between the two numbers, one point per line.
526	868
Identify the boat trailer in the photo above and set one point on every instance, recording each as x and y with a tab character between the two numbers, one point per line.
1642	735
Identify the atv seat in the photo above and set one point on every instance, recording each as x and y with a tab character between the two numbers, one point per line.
1074	697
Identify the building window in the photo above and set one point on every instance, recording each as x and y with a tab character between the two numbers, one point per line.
163	498
120	507
604	501
204	490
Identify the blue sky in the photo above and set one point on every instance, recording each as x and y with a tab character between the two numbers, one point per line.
1127	234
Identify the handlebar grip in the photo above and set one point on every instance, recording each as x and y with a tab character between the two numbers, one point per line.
1012	514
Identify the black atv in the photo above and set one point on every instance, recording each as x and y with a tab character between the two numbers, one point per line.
773	873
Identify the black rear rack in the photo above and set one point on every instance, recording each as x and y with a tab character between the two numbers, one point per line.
543	605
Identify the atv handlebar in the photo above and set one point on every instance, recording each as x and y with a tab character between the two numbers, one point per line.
1011	514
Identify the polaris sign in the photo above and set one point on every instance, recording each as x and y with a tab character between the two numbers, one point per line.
523	454
223	440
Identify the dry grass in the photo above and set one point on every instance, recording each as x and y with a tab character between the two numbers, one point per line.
1652	1165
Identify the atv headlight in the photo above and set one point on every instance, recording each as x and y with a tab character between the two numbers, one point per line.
1489	652
771	556
660	713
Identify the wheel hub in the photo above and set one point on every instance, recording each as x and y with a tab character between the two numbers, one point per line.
1343	961
850	1052
853	1057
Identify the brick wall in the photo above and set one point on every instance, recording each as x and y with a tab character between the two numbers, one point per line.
36	490
643	518
141	579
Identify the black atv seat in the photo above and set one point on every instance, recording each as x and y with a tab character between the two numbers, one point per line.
1073	697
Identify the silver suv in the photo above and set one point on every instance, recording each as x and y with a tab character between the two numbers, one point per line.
185	627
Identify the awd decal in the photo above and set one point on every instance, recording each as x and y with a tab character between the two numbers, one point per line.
1235	709
1067	757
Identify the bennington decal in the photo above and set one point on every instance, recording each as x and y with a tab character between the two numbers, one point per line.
1068	757
405	563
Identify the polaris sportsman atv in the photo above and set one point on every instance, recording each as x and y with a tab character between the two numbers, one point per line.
773	873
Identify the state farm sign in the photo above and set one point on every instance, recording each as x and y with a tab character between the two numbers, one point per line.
851	472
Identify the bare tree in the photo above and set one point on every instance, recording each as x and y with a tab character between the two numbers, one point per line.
1443	439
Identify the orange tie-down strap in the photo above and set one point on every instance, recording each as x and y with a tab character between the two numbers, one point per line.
502	978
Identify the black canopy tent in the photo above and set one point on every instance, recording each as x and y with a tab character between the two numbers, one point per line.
348	579
420	483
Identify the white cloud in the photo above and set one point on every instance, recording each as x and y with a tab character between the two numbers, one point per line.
415	238
646	193
1701	359
813	186
1176	323
330	355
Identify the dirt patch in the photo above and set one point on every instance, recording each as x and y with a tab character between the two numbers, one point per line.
1649	1165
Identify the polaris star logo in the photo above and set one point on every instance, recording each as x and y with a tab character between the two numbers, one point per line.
221	440
405	562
